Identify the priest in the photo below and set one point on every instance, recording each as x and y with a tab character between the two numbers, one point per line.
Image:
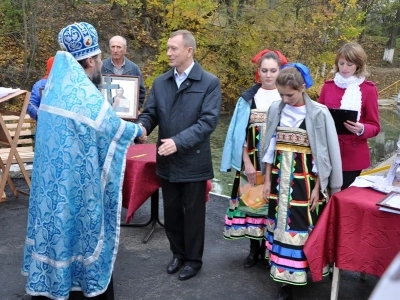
75	200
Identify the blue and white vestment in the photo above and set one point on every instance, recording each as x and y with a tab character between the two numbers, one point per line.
75	199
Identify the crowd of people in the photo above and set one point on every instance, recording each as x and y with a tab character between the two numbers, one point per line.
283	146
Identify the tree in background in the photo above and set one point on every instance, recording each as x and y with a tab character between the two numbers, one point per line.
391	43
228	33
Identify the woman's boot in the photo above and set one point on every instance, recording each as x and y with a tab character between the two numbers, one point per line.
252	258
285	292
263	252
262	249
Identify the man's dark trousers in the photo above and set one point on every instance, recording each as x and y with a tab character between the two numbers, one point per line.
184	218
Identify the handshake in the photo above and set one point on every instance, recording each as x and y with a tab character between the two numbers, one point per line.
166	148
143	138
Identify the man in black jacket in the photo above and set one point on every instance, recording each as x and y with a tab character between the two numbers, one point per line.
185	103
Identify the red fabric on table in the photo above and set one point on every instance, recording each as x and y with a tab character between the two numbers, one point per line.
354	233
140	180
208	190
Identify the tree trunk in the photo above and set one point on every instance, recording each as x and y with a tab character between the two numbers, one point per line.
240	8
323	70
229	10
366	6
25	22
391	44
30	35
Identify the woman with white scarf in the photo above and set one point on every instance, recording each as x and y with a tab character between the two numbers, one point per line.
350	90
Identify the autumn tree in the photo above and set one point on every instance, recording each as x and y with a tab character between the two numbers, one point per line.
27	36
228	33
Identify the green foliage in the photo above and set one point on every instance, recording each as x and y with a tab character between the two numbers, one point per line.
228	33
182	14
11	17
231	33
120	2
381	17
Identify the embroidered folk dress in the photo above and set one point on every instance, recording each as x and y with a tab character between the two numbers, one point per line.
289	220
75	199
239	224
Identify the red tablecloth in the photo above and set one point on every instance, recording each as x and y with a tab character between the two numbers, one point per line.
354	234
140	180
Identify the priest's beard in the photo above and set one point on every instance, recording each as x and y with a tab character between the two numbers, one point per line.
96	79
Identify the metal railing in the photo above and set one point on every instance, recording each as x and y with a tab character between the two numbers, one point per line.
389	91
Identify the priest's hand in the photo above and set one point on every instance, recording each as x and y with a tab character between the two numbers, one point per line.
167	147
143	138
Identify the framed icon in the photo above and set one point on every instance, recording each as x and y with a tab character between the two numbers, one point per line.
390	203
122	92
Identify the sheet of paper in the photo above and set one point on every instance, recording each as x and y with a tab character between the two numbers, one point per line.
5	91
368	181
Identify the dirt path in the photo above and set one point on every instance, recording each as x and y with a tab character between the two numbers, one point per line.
384	77
381	70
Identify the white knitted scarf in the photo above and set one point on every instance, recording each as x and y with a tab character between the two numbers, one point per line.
352	95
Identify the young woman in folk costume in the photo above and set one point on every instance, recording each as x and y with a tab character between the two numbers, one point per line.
350	90
296	174
243	150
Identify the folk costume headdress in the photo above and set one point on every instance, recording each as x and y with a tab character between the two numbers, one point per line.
49	66
258	56
305	73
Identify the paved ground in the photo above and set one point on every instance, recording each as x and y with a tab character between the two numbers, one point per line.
140	269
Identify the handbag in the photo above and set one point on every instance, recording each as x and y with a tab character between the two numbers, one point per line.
251	199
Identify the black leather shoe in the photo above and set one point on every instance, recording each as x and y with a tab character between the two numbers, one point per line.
174	266
188	272
285	293
252	258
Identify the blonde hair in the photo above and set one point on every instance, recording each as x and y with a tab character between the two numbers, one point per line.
290	77
188	38
354	53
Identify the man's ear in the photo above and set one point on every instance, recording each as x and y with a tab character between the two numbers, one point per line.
190	51
90	61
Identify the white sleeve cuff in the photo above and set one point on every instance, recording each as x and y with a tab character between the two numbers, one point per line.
269	155
362	131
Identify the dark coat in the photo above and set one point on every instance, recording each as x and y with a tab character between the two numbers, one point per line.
188	115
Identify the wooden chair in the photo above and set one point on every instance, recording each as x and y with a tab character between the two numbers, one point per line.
16	140
25	142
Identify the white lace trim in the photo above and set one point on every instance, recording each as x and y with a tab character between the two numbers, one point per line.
352	95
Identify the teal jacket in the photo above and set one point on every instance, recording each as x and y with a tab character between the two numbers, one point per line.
236	135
